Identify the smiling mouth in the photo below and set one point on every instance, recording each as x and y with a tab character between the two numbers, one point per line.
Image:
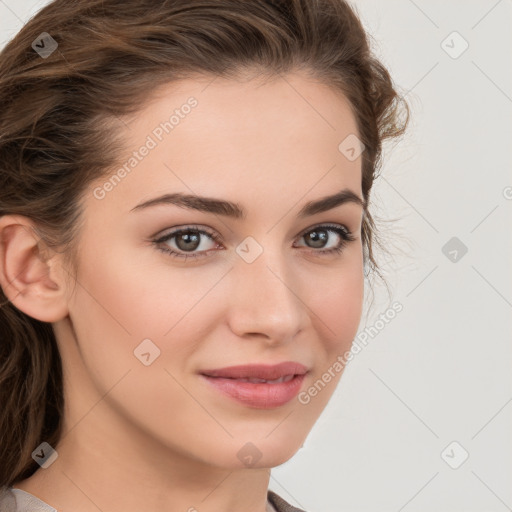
257	392
259	372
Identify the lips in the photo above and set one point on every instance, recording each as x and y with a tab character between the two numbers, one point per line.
282	372
258	385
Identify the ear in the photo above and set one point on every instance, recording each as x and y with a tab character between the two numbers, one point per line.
31	277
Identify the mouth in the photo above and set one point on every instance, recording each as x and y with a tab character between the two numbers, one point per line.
258	386
259	372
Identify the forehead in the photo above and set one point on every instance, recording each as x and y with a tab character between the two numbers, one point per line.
295	101
268	139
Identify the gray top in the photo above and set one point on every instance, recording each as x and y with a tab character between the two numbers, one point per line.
17	500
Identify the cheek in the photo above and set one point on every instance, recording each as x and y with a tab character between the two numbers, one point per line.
336	313
119	302
337	306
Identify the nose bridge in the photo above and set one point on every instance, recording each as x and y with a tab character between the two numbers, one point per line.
266	295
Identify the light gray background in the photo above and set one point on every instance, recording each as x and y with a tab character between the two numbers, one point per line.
440	370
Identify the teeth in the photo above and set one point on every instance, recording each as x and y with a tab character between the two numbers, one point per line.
286	378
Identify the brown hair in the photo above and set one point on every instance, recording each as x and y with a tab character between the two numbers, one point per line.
56	135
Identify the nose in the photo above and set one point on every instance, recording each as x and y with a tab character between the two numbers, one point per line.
265	299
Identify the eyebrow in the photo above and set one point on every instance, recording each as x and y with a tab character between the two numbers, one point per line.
234	210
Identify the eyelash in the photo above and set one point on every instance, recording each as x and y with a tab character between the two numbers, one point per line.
345	234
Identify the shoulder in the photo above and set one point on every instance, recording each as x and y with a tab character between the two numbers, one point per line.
280	504
16	500
7	500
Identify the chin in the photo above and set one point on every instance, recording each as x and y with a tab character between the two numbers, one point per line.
267	453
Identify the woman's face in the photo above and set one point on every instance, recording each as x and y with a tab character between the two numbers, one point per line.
258	289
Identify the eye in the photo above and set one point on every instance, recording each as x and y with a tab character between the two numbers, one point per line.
185	240
319	235
182	243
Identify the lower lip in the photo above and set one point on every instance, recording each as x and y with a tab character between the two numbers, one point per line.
258	394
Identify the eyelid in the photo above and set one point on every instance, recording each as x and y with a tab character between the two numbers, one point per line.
186	227
325	225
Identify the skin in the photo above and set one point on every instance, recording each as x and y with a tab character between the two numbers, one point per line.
157	438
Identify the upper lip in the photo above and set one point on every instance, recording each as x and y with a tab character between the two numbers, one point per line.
258	371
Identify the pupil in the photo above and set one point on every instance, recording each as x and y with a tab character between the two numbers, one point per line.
189	239
318	236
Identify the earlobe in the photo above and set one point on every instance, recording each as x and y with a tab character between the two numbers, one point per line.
30	279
